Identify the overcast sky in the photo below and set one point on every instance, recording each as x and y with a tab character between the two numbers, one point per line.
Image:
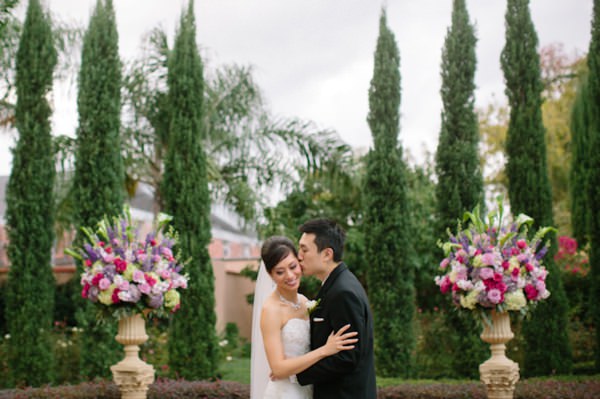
313	59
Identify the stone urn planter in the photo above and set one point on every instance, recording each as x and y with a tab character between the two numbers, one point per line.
498	373
132	374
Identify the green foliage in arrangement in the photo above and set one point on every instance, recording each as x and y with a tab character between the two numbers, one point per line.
193	350
99	180
386	233
30	214
529	187
593	183
460	182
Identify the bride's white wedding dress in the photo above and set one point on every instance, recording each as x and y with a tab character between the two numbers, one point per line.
295	336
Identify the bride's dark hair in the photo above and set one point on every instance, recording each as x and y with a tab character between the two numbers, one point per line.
275	249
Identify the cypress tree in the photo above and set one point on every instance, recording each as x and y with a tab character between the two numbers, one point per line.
594	173
30	205
390	275
192	339
580	125
460	183
99	179
547	346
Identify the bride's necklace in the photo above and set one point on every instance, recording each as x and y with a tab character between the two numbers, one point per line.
294	305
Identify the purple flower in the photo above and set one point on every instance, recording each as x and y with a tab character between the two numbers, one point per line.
156	301
541	253
91	253
93	293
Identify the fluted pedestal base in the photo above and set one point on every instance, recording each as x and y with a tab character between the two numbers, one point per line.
132	375
499	373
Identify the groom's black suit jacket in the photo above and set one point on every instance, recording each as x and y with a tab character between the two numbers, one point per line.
347	374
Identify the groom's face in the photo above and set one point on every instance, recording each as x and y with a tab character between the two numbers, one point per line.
309	256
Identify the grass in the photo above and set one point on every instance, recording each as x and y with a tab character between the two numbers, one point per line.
238	370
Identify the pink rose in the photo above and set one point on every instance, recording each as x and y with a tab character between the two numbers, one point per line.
151	281
115	296
488	259
445	285
120	265
104	284
138	276
444	263
531	292
486	273
498	277
494	295
144	288
84	292
521	244
529	267
97	278
540	286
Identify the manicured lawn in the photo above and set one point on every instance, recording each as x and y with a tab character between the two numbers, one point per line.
238	369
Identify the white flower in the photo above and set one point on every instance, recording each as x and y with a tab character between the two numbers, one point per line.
464	285
229	358
515	300
311	305
7	336
223	343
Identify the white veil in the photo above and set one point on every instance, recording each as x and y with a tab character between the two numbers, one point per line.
259	366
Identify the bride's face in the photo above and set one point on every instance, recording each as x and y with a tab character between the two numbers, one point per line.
287	273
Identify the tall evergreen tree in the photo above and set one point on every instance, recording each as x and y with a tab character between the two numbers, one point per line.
580	142
192	339
594	173
547	345
29	213
387	240
99	179
460	183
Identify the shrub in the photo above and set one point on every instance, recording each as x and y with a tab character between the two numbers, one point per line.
161	389
530	389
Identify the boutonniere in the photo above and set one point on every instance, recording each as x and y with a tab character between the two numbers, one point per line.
312	305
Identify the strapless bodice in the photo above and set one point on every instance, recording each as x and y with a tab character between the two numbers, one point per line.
295	336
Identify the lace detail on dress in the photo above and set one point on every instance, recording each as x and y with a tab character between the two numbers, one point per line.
295	336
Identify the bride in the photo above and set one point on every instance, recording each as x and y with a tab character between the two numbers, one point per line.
284	327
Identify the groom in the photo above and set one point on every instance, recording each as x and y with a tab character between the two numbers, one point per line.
341	300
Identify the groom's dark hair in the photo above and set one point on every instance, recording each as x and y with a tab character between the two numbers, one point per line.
328	234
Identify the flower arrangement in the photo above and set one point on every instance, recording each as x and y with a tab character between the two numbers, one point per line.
124	275
492	266
571	259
